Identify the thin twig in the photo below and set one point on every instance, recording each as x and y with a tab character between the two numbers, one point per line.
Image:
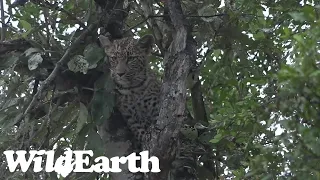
46	23
58	65
56	7
135	26
3	26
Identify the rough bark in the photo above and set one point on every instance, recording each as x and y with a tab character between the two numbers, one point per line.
179	58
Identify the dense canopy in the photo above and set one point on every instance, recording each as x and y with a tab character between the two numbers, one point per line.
253	85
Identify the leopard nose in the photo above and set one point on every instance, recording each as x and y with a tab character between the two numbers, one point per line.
121	74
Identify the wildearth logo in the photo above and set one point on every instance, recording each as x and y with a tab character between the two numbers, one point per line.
66	164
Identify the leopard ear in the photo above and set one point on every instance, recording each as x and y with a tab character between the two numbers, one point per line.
146	42
104	41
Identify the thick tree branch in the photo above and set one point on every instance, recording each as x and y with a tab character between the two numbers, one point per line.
178	61
14	45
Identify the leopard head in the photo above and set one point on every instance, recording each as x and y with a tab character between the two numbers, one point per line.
128	59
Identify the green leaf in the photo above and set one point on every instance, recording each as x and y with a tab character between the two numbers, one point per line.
286	31
62	117
259	35
10	120
267	177
34	61
103	99
78	64
298	16
9	60
102	106
315	74
105	82
25	24
309	12
95	143
83	117
93	54
298	38
216	138
80	140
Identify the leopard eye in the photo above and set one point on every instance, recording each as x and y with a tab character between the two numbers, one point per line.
112	60
130	58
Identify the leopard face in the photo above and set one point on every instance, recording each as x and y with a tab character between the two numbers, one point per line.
128	59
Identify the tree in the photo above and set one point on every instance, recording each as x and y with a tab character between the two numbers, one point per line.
240	94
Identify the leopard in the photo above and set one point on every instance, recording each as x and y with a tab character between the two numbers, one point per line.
137	85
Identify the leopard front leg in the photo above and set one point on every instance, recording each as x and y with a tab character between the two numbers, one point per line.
138	129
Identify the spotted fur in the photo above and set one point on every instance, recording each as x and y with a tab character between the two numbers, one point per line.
137	86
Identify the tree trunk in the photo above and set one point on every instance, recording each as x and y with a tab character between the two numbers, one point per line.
179	59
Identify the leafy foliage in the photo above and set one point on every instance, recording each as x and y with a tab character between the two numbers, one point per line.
259	71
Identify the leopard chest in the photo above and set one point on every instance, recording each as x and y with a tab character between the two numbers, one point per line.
142	105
